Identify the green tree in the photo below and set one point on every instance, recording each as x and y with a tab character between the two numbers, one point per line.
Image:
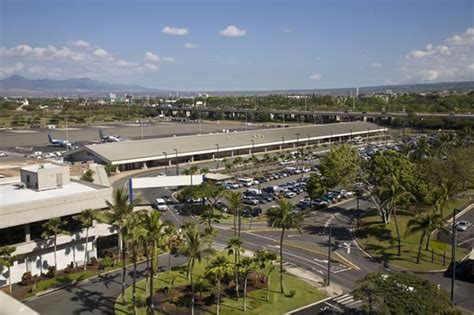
340	166
86	218
283	218
193	170
424	223
234	247
246	265
402	293
53	227
137	234
234	199
88	176
6	260
218	268
264	260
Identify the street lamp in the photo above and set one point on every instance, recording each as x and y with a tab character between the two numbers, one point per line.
453	253
166	163
253	146
282	143
297	145
177	164
217	158
329	256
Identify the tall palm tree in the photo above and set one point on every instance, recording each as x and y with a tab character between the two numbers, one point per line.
53	226
117	215
191	171
172	237
209	234
264	260
421	223
86	218
234	245
234	198
154	228
192	248
283	218
246	265
218	269
137	234
7	260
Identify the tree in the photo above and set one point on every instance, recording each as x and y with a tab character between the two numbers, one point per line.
283	218
137	234
192	248
234	246
7	260
316	187
119	211
172	238
340	166
264	260
401	293
246	265
86	218
154	228
191	171
234	198
53	226
218	268
424	223
88	176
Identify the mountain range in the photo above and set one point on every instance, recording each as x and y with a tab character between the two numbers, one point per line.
17	85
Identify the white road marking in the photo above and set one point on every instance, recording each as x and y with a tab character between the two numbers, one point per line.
261	236
333	306
341	297
341	270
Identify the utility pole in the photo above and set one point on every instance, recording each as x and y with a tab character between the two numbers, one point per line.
453	254
253	146
217	158
141	126
329	256
166	163
177	164
67	136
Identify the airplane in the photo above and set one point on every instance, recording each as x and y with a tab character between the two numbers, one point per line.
105	138
58	142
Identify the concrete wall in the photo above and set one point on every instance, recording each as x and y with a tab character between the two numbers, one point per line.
38	255
46	178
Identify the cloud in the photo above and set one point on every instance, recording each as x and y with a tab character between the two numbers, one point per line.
170	30
102	54
80	44
43	71
376	65
168	59
11	69
151	67
287	30
448	60
189	45
315	77
124	63
233	31
149	56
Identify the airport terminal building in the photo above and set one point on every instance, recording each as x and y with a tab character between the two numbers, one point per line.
129	155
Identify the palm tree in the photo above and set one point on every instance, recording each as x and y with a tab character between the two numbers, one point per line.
283	218
86	218
172	237
209	235
191	171
137	234
421	223
234	198
234	245
117	215
219	268
53	227
192	248
154	233
264	259
7	260
246	265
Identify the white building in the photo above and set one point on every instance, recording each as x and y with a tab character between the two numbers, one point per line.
46	191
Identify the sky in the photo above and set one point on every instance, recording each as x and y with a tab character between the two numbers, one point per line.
239	45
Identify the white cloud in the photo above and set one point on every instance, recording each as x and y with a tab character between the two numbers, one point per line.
170	30
11	69
448	60
124	63
233	31
287	30
42	71
168	59
80	44
151	67
376	65
189	45
315	77
149	56
102	54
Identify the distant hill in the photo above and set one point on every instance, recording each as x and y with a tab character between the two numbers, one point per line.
19	85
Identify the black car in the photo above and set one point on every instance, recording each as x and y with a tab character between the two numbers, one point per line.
248	212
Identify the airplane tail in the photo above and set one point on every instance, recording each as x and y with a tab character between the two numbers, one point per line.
50	139
101	134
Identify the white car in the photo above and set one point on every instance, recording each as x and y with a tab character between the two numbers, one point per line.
3	154
160	204
463	225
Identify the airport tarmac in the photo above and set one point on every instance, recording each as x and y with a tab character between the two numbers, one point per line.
26	141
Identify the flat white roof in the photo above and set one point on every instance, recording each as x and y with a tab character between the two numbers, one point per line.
11	195
36	167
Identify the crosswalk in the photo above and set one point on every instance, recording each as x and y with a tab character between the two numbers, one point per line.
347	300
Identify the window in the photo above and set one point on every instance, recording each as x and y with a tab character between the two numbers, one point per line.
27	178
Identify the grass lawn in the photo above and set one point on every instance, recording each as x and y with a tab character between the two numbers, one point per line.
256	304
380	240
229	219
49	283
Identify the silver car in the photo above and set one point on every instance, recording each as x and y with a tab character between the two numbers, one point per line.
463	225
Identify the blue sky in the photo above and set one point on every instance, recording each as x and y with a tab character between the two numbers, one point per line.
236	45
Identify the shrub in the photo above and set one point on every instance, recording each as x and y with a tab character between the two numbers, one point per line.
27	278
291	293
51	272
88	176
107	262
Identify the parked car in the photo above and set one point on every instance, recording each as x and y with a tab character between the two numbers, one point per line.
250	200
160	204
2	154
248	212
463	225
289	194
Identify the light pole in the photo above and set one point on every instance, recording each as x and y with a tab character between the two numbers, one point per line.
453	254
297	145
329	256
253	146
177	164
217	158
166	163
282	143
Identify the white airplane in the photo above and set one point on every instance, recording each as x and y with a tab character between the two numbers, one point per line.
105	138
58	142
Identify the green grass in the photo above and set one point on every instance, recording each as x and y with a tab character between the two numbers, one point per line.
256	304
380	241
229	219
49	283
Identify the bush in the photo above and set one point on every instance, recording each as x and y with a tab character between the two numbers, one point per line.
27	278
88	176
51	272
291	293
107	262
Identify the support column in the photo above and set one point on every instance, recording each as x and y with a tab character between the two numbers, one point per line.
192	158
27	232
144	166
232	153
250	151
169	162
